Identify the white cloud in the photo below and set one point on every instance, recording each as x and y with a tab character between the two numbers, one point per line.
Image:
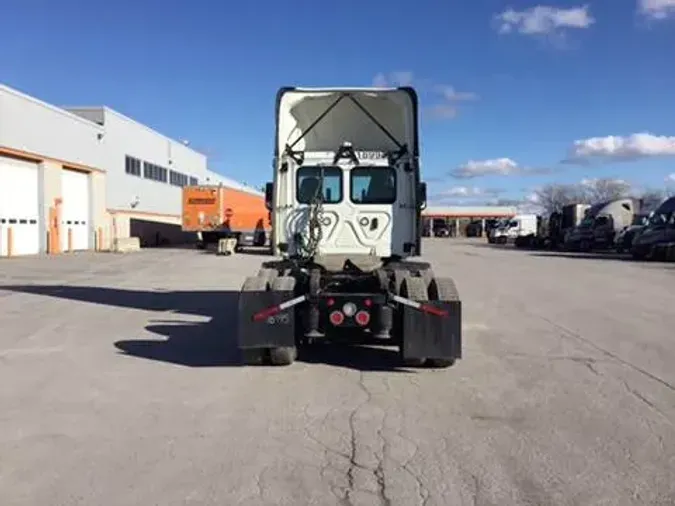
477	168
450	97
462	191
656	9
594	181
464	194
544	20
634	146
398	78
532	198
670	178
494	167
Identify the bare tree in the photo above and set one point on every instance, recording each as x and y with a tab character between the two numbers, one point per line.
652	198
553	197
600	190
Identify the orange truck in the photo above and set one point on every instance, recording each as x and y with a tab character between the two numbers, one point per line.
219	212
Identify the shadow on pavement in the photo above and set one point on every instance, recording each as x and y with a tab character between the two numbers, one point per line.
203	344
617	257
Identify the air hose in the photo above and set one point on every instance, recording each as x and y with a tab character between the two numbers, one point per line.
309	244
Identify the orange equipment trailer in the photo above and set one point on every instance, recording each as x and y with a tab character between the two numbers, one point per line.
219	212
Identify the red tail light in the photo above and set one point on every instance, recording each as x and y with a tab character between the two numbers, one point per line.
336	318
362	318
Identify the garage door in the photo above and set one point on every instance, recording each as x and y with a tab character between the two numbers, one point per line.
75	209
19	209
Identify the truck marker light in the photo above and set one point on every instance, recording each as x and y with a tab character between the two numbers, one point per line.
367	302
336	318
330	302
362	318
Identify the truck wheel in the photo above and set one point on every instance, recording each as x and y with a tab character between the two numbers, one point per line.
283	355
443	289
427	275
440	363
398	278
269	274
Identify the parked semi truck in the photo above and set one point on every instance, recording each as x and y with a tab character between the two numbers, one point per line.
496	228
601	223
217	212
520	226
660	229
346	201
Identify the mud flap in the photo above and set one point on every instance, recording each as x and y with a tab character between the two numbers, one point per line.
427	335
275	329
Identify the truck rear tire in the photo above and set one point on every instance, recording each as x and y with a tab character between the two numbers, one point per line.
269	274
284	355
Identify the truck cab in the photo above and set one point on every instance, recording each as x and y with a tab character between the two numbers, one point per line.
601	224
660	228
496	229
346	185
521	225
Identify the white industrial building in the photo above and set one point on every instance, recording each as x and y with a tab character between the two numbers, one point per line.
78	178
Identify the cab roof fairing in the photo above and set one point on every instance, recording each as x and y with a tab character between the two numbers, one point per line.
298	109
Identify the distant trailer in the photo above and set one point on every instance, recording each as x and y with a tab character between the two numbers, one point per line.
217	212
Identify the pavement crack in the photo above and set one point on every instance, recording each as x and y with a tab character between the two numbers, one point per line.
644	400
353	444
476	488
575	335
588	362
381	483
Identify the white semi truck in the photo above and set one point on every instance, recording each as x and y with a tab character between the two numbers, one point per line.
660	229
521	225
602	222
346	203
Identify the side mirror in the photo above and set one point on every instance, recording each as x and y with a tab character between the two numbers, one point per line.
422	195
269	195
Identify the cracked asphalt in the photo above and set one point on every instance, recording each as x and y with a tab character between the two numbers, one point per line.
118	387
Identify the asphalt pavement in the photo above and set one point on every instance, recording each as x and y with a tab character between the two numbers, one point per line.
119	386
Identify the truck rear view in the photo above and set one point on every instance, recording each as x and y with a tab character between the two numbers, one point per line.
346	202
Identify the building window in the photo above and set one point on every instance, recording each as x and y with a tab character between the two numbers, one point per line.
177	178
132	166
154	172
194	181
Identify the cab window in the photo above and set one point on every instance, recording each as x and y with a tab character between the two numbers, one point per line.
310	188
373	185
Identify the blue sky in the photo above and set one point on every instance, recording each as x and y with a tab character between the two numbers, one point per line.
518	89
